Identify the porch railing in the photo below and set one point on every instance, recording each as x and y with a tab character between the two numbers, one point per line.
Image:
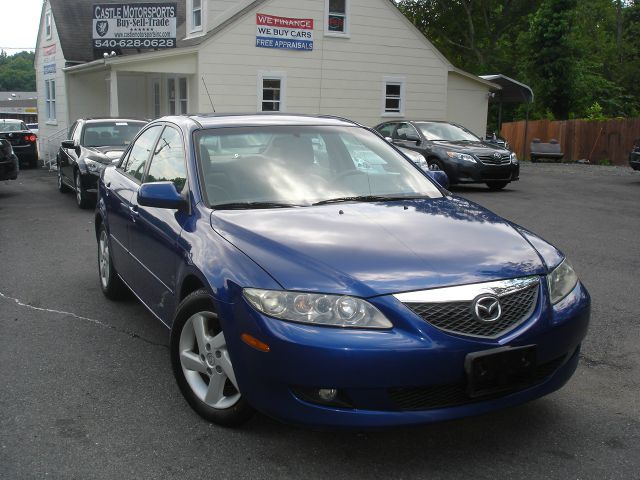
49	146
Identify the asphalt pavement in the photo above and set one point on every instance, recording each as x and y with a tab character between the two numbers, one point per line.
86	389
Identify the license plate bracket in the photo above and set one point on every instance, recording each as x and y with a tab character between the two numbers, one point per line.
499	369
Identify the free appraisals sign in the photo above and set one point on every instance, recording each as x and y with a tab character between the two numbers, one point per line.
136	25
284	33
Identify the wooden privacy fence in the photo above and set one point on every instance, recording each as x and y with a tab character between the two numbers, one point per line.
597	141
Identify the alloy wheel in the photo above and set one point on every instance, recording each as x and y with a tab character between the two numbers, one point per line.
78	189
205	361
104	260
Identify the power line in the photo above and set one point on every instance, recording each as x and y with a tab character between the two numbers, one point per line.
17	48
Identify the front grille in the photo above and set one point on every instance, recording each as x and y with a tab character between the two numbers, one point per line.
458	317
455	394
504	159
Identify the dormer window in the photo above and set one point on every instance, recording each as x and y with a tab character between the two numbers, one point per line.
337	18
47	25
196	14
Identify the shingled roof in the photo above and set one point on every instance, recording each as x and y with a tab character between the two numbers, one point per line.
74	24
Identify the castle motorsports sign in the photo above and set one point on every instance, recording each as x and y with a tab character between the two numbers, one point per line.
137	25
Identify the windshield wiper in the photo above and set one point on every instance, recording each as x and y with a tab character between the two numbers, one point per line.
370	198
250	205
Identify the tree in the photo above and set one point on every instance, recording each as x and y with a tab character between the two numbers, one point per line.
17	72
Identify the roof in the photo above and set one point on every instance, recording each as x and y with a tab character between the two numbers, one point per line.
261	119
74	24
512	90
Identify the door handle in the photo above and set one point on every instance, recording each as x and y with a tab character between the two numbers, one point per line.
133	211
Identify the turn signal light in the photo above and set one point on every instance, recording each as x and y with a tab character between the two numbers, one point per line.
255	343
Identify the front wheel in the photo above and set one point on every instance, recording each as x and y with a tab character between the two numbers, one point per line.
62	188
110	283
497	185
201	363
81	194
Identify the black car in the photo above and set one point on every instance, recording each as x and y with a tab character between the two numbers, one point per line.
463	156
93	144
8	161
23	140
634	156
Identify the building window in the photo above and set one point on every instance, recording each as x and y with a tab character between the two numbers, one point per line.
337	17
393	97
177	91
271	92
196	16
50	99
47	25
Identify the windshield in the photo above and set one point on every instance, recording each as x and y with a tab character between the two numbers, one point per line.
111	134
12	126
302	166
446	131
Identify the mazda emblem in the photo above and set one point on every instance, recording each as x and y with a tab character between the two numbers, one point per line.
487	308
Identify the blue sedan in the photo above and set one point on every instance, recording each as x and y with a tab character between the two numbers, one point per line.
300	281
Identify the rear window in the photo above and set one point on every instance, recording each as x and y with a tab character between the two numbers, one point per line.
12	125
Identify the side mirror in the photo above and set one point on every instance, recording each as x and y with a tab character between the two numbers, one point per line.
412	137
69	144
389	139
160	195
439	176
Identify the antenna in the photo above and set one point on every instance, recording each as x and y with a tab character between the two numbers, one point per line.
207	90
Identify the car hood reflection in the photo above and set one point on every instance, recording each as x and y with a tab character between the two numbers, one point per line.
368	249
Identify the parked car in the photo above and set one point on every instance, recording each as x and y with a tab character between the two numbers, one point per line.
93	144
452	148
318	291
33	127
23	141
634	156
8	161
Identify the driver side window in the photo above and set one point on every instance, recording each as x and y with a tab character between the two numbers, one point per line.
405	131
140	152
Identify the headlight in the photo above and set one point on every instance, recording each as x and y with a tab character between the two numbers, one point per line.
561	281
461	156
93	166
514	157
317	309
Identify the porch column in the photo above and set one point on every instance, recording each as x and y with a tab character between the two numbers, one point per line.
113	94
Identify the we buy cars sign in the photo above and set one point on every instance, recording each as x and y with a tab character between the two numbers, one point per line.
285	33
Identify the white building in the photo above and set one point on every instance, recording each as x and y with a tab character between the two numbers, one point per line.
360	59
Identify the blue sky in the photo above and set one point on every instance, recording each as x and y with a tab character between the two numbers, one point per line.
19	21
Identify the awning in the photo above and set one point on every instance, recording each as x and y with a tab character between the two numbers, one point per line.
512	90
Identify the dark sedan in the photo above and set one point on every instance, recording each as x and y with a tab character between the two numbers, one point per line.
463	156
8	161
93	144
23	141
309	270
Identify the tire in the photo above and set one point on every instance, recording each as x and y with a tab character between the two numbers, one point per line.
496	185
110	282
81	194
62	188
199	356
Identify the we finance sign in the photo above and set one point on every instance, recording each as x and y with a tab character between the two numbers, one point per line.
284	33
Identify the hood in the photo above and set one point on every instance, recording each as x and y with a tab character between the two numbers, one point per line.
104	154
368	249
475	148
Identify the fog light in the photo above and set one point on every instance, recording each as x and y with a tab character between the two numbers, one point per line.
328	394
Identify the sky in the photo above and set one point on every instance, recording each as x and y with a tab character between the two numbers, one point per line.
19	21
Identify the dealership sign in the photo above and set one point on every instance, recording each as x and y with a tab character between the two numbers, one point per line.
136	25
285	33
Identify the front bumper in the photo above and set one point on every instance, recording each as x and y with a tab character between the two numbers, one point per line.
466	172
377	370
